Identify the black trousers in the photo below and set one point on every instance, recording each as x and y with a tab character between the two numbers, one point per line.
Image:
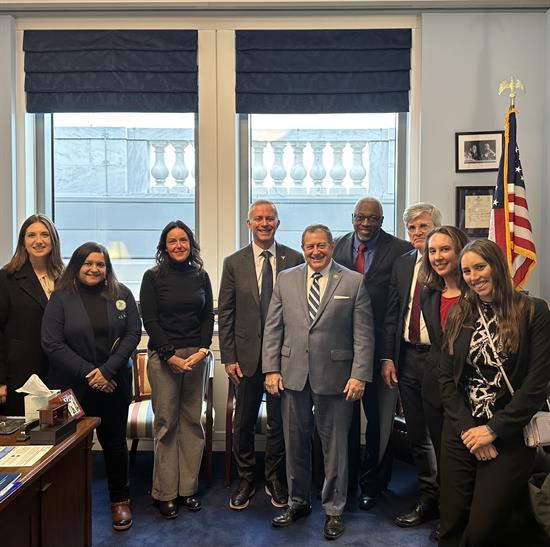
375	472
412	366
247	405
112	408
477	497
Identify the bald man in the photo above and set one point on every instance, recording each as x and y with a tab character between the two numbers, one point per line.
372	252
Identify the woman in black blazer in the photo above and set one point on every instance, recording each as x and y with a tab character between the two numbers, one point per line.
485	464
440	277
26	283
90	328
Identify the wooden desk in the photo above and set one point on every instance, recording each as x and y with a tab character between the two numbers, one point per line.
53	504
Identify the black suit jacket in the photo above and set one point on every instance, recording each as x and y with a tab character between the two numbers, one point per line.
377	278
239	319
68	340
530	376
431	304
399	293
22	304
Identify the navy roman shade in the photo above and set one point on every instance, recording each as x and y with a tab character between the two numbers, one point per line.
323	71
111	70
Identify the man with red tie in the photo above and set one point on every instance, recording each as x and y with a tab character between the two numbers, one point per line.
372	252
405	347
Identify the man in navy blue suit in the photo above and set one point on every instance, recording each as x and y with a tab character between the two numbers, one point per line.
372	252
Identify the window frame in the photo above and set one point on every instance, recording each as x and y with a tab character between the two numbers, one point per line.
245	167
219	224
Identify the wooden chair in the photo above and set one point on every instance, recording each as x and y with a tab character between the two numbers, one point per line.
261	428
140	414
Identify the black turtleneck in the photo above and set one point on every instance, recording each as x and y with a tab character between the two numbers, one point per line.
177	307
96	308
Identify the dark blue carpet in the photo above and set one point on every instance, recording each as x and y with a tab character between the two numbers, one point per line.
217	525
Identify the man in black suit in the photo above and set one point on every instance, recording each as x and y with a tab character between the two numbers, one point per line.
370	251
406	344
247	283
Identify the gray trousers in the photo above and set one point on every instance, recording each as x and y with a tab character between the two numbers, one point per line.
332	419
179	435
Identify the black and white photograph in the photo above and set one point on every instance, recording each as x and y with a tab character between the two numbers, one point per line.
479	151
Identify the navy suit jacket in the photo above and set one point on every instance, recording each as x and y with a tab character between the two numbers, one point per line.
377	278
399	294
68	340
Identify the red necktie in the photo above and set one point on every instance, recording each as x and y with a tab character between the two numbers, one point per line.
414	321
360	259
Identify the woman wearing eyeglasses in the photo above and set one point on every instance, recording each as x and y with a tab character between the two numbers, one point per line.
485	463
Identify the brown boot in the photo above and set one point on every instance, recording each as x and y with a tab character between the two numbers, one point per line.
122	515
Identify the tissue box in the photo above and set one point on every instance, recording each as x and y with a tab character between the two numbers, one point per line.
35	402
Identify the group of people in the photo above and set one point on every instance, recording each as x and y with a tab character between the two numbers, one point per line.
77	326
365	317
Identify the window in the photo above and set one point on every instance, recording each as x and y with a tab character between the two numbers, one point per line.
118	178
316	166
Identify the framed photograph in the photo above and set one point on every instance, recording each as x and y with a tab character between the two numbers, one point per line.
473	209
68	396
479	151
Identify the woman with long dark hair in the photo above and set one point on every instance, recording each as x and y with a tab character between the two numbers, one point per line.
90	328
439	273
485	463
177	308
26	283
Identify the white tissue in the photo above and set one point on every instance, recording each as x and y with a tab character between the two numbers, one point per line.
34	386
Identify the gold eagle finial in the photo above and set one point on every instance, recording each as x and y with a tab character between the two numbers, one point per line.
513	84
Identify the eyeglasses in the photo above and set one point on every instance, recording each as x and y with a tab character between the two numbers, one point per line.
320	246
361	218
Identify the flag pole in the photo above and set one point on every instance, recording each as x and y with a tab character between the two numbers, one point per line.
510	227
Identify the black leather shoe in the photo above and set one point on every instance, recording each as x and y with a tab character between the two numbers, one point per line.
277	492
292	514
367	502
192	503
168	509
241	498
421	513
334	527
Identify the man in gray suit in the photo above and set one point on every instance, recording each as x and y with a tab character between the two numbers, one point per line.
317	352
245	291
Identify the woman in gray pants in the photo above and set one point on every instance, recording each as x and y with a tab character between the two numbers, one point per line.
177	310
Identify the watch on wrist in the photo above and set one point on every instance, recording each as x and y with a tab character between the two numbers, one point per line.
206	351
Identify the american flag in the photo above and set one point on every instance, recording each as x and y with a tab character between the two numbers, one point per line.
510	227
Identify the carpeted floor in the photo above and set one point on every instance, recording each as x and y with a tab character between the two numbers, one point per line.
216	525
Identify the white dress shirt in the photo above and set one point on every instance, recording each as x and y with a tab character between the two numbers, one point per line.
259	262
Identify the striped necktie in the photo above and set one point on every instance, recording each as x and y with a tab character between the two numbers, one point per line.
314	297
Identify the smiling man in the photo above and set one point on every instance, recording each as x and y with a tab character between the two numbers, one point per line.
317	352
405	347
247	283
372	252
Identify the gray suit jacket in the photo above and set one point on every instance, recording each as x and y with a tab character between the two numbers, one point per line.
239	320
337	345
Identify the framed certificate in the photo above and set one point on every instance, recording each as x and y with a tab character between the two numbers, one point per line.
473	209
